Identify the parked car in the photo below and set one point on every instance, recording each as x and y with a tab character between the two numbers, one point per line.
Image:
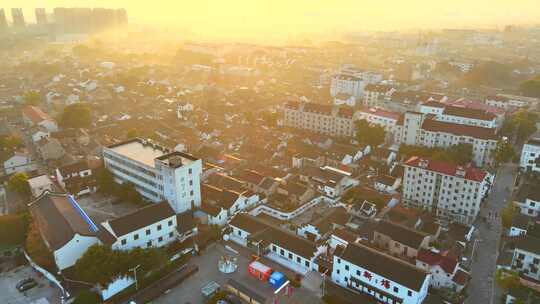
28	285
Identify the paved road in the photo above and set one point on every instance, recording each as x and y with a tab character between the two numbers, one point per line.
483	284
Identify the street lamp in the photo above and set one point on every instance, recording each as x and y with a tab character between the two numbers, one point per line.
134	269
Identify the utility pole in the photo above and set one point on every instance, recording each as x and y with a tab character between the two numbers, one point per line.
134	269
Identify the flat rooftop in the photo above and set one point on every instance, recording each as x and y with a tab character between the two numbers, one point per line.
139	150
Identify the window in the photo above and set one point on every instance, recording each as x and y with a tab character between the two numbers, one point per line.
159	227
409	293
274	249
123	242
160	239
307	263
282	252
136	236
396	289
149	244
191	192
171	234
298	260
147	231
190	171
347	267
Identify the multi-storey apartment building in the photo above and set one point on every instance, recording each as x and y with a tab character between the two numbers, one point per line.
373	93
378	116
530	156
460	115
156	172
380	276
320	118
453	193
416	129
526	257
347	84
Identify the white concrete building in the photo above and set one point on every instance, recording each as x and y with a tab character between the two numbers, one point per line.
152	226
434	133
460	115
445	270
34	116
319	118
66	229
378	116
76	178
453	192
347	84
156	172
526	257
528	200
345	99
19	162
374	93
38	133
530	156
382	277
40	184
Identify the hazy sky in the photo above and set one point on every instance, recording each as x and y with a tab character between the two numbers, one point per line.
260	17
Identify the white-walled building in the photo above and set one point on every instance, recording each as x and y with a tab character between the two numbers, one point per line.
38	133
528	200
152	226
319	118
445	270
460	115
374	93
345	99
378	116
526	257
34	116
347	84
416	129
76	178
40	184
385	278
156	172
530	156
222	204
19	162
453	192
66	229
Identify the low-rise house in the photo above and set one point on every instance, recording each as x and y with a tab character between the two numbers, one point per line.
76	178
526	256
38	133
40	184
400	240
151	226
65	228
50	149
341	237
386	279
445	270
33	116
530	156
519	226
387	183
528	200
330	181
19	162
221	204
383	155
321	226
243	227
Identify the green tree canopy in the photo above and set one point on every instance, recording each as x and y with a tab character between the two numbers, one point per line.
460	154
531	87
105	180
87	297
13	229
504	152
10	143
18	183
369	134
100	264
507	214
32	98
78	115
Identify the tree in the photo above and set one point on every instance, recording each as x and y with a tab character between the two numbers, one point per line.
101	265
10	143
87	297
504	152
37	250
531	87
127	192
507	214
460	154
369	134
525	123
132	133
18	183
13	229
78	115
32	98
105	180
507	279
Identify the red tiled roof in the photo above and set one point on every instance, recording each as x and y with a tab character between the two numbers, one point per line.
381	113
318	108
471	173
461	277
447	263
294	105
35	114
459	129
345	112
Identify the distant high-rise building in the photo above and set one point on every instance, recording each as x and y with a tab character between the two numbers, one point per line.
3	19
121	16
18	17
87	20
41	16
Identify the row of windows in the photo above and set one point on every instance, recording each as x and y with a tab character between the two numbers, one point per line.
290	256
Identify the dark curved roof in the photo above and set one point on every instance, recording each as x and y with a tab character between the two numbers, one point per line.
141	218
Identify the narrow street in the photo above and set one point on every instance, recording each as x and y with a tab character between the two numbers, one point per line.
482	288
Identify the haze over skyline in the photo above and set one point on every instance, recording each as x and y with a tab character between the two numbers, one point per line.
242	18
